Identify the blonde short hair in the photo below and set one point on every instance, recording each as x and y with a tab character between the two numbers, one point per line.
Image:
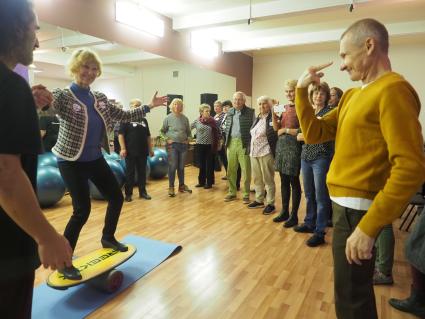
203	107
135	102
81	56
175	100
218	102
291	84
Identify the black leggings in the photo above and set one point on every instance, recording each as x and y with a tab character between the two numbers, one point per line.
133	164
76	176
286	183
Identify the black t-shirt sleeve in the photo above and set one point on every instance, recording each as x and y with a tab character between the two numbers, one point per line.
18	120
148	132
123	128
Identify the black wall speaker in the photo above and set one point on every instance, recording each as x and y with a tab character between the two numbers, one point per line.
170	98
209	98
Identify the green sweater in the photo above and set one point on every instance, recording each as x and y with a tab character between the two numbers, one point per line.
378	146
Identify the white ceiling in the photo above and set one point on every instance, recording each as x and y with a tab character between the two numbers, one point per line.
57	44
287	23
276	27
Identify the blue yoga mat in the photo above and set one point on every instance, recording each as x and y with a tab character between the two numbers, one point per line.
80	301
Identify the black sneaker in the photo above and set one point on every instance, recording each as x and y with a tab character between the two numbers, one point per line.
303	228
207	186
281	218
255	204
71	273
315	240
291	222
145	196
200	185
269	210
128	198
114	244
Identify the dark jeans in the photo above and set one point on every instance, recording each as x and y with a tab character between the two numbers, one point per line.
206	164
353	286
16	297
133	164
286	183
76	176
176	159
316	193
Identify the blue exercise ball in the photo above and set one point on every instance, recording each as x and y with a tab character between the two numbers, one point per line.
47	159
158	164
112	156
119	174
50	186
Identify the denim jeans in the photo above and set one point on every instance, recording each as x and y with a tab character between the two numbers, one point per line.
316	193
176	158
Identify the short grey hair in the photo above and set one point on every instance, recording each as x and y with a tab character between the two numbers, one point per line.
368	28
263	98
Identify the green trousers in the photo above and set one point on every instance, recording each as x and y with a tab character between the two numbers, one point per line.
353	284
237	154
385	250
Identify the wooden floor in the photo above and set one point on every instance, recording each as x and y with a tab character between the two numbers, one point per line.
235	262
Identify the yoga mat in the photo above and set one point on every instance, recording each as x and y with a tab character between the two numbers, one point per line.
80	301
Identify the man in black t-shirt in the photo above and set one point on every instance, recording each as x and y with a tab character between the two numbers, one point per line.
49	129
135	143
23	227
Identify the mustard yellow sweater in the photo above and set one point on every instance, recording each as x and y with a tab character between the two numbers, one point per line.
378	146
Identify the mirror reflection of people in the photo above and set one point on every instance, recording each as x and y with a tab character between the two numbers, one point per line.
136	145
28	238
86	117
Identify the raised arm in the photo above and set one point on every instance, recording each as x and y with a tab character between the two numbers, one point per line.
315	130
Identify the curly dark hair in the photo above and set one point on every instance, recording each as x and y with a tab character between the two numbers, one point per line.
15	17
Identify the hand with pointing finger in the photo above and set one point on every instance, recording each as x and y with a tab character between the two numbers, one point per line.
312	75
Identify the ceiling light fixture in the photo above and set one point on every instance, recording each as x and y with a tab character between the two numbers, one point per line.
250	19
351	7
136	16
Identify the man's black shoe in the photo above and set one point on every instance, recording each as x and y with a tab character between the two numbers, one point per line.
291	222
315	240
128	198
114	244
145	196
303	228
281	218
255	204
71	273
199	185
269	210
207	186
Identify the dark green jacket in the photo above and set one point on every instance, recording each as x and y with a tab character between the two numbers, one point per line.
246	120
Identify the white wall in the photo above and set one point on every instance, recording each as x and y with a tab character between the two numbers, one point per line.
191	82
270	72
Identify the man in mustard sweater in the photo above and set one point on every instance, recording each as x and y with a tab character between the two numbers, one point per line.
378	163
